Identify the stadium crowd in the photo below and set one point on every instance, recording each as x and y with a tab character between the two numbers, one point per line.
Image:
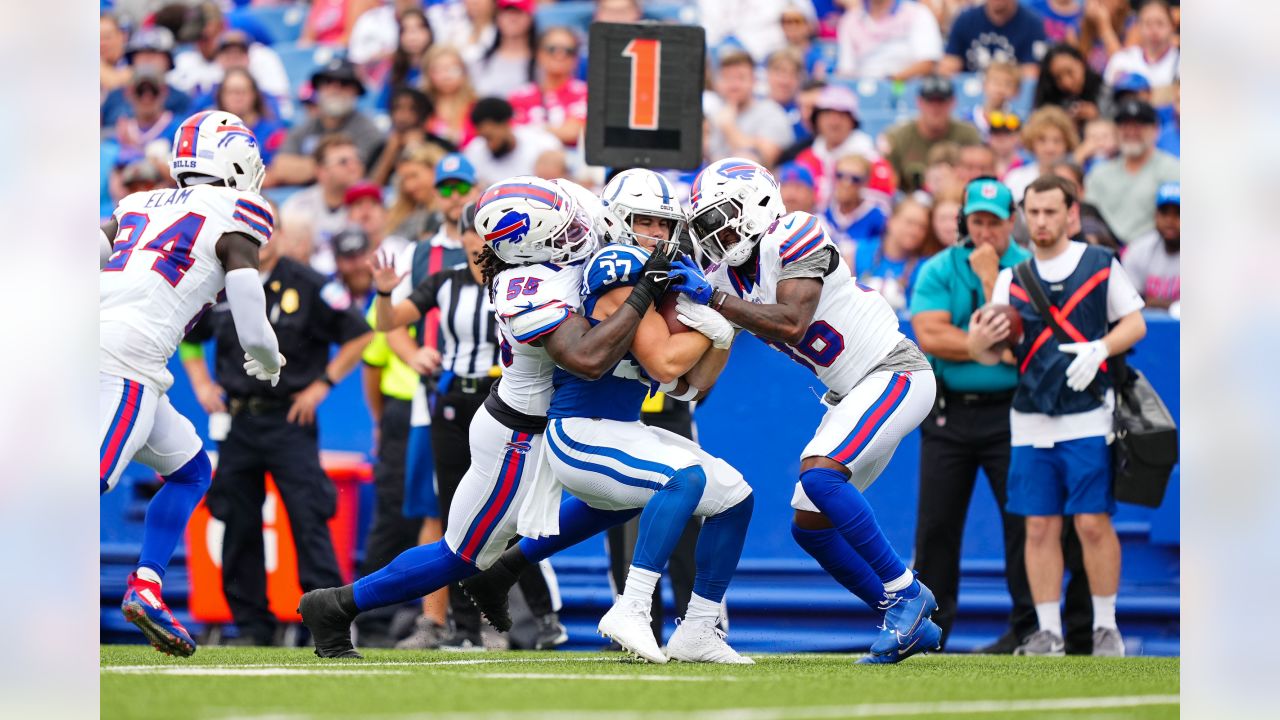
376	117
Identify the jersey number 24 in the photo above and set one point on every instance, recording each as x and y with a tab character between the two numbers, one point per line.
173	245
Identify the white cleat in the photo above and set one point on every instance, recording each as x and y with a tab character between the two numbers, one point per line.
702	641
628	624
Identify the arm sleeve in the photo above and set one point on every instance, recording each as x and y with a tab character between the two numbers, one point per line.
1122	296
249	312
814	265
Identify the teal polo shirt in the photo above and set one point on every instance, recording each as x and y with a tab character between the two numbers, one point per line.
946	282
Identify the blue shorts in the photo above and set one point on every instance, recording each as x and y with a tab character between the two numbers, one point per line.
1070	478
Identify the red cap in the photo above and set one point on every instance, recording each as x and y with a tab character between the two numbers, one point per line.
361	190
525	5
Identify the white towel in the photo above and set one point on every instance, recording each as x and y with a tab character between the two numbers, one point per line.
540	511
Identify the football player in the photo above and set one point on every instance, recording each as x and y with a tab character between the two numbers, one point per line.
778	276
537	235
171	252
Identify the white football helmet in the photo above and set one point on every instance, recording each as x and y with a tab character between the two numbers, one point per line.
216	144
639	192
733	194
528	220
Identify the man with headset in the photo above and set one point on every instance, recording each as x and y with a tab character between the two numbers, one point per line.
968	428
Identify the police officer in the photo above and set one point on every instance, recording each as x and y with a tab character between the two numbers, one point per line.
968	428
273	429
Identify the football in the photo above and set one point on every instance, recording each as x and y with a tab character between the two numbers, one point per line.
1015	326
667	309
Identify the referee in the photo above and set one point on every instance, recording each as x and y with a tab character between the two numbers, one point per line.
469	349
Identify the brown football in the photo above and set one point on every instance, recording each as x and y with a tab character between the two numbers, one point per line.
667	309
1015	326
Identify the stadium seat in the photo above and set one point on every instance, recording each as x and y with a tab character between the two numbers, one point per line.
575	14
284	22
299	62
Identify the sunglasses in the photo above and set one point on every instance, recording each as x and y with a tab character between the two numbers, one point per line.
561	50
851	178
1006	121
454	188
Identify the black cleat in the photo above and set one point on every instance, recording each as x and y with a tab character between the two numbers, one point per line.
330	624
551	633
488	592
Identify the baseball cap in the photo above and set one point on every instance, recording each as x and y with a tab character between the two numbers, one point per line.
339	70
1131	82
150	39
350	242
360	191
795	172
1136	111
148	76
988	195
139	171
455	167
1169	193
936	87
234	38
525	5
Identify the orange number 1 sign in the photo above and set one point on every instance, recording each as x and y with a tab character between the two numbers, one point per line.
646	57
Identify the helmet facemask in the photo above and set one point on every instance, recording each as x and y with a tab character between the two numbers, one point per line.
718	231
575	241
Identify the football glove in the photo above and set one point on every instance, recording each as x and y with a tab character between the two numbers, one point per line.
254	369
1089	357
687	278
706	321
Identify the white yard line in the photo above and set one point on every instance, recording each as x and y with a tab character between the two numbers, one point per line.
640	678
242	671
355	665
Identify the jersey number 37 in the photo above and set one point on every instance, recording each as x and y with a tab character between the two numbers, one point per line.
172	245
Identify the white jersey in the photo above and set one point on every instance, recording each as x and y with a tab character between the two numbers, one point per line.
164	272
531	301
853	328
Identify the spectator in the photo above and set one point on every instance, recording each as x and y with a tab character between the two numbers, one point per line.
1004	137
939	169
906	146
337	167
1061	19
1130	86
806	101
890	266
756	27
197	70
746	126
1060	463
411	50
1001	83
499	150
1067	81
1102	30
466	25
944	216
1124	188
835	122
233	54
141	176
998	30
147	129
618	11
375	37
238	94
446	82
557	102
1152	259
784	72
798	189
336	89
113	70
799	26
411	215
1171	124
148	49
508	63
1100	142
946	11
365	210
888	39
352	282
854	218
1156	56
410	109
975	161
552	165
1050	136
330	21
1086	223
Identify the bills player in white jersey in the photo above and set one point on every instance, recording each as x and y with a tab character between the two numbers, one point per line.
537	235
171	253
778	276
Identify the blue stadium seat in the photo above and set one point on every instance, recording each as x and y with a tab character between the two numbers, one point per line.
575	14
300	62
283	22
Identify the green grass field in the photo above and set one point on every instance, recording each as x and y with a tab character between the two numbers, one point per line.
280	684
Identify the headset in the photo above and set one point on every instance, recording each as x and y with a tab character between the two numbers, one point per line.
962	223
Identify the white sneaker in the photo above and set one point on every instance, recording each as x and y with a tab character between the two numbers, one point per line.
627	623
702	641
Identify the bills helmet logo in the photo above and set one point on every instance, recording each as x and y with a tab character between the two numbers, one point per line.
741	171
511	228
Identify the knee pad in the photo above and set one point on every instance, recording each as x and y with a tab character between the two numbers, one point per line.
692	479
820	481
197	472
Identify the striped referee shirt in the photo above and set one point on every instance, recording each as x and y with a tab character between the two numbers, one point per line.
468	326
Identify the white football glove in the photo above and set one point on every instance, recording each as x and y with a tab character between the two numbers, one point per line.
706	321
1089	357
255	370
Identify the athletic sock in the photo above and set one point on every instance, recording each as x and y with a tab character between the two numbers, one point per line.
149	575
719	548
904	585
169	511
853	518
640	585
1049	616
702	610
414	573
663	518
578	521
1104	612
841	562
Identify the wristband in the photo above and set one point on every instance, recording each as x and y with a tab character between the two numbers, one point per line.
327	380
717	299
383	294
641	296
690	393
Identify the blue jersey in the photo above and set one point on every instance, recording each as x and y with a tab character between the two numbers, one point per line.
619	394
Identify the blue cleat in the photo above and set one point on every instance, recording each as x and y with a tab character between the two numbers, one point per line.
144	607
907	629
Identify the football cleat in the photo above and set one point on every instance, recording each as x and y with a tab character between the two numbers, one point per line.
703	642
907	629
329	624
144	607
628	623
551	633
488	591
